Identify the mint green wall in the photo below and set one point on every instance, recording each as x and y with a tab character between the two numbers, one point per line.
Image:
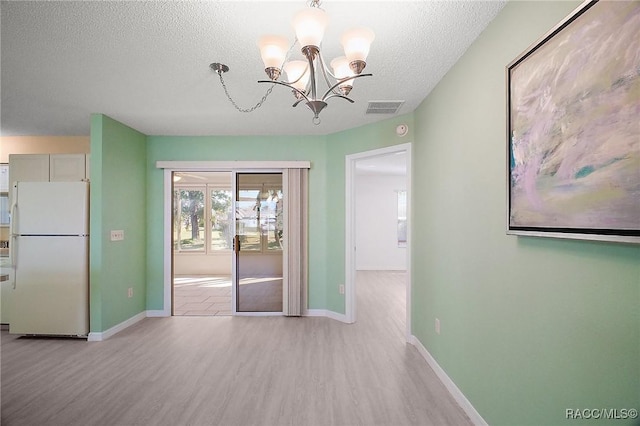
529	326
118	201
326	189
246	148
366	138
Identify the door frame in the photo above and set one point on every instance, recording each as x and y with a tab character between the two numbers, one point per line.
203	166
350	229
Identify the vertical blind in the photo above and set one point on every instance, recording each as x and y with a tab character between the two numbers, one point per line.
296	240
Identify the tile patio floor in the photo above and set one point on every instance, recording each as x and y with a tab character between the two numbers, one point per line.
202	295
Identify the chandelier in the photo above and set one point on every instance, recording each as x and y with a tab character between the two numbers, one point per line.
305	76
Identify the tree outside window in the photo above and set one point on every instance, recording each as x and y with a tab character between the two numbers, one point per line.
202	225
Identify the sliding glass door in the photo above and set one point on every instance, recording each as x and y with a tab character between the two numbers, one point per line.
258	243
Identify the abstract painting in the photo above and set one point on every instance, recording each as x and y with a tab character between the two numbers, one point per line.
573	128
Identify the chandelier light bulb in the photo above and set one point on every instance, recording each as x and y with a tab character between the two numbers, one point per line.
297	74
342	70
273	50
309	25
356	43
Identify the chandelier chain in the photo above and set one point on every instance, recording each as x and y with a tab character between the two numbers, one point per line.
264	97
253	108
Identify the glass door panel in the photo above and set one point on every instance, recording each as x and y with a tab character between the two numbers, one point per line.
258	242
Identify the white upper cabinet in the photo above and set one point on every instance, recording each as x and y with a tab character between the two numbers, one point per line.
45	168
67	167
28	168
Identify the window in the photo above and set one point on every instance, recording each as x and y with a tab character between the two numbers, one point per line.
272	219
402	218
189	220
260	219
4	209
202	225
221	220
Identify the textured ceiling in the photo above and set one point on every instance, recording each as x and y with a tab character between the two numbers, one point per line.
146	64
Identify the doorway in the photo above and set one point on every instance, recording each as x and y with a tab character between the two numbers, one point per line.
378	188
202	237
227	243
294	179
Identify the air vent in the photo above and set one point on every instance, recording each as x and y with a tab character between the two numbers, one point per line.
384	107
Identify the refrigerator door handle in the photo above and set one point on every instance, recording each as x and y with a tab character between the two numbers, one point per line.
13	209
14	236
12	233
14	263
13	253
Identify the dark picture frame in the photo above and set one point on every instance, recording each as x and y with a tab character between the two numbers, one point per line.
573	132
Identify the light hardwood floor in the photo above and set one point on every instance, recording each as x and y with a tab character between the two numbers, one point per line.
233	371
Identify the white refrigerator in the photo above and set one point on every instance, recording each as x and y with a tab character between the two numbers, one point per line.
50	256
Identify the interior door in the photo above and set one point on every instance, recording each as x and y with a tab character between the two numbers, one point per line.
258	242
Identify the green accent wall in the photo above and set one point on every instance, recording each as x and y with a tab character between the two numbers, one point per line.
530	326
118	202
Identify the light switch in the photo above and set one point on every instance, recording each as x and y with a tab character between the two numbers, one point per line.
117	235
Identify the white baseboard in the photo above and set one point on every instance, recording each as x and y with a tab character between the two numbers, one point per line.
456	393
103	335
158	313
326	313
258	314
99	336
386	268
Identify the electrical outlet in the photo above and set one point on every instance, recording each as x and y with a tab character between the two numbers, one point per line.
437	326
117	235
130	292
341	288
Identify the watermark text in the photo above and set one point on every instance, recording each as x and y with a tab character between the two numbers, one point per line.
601	413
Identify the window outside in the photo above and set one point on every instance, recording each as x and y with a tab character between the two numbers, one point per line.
402	218
200	223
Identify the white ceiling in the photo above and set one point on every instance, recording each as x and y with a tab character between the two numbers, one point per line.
146	64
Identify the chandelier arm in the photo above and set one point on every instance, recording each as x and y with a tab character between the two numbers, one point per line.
324	69
282	83
353	77
312	76
336	95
